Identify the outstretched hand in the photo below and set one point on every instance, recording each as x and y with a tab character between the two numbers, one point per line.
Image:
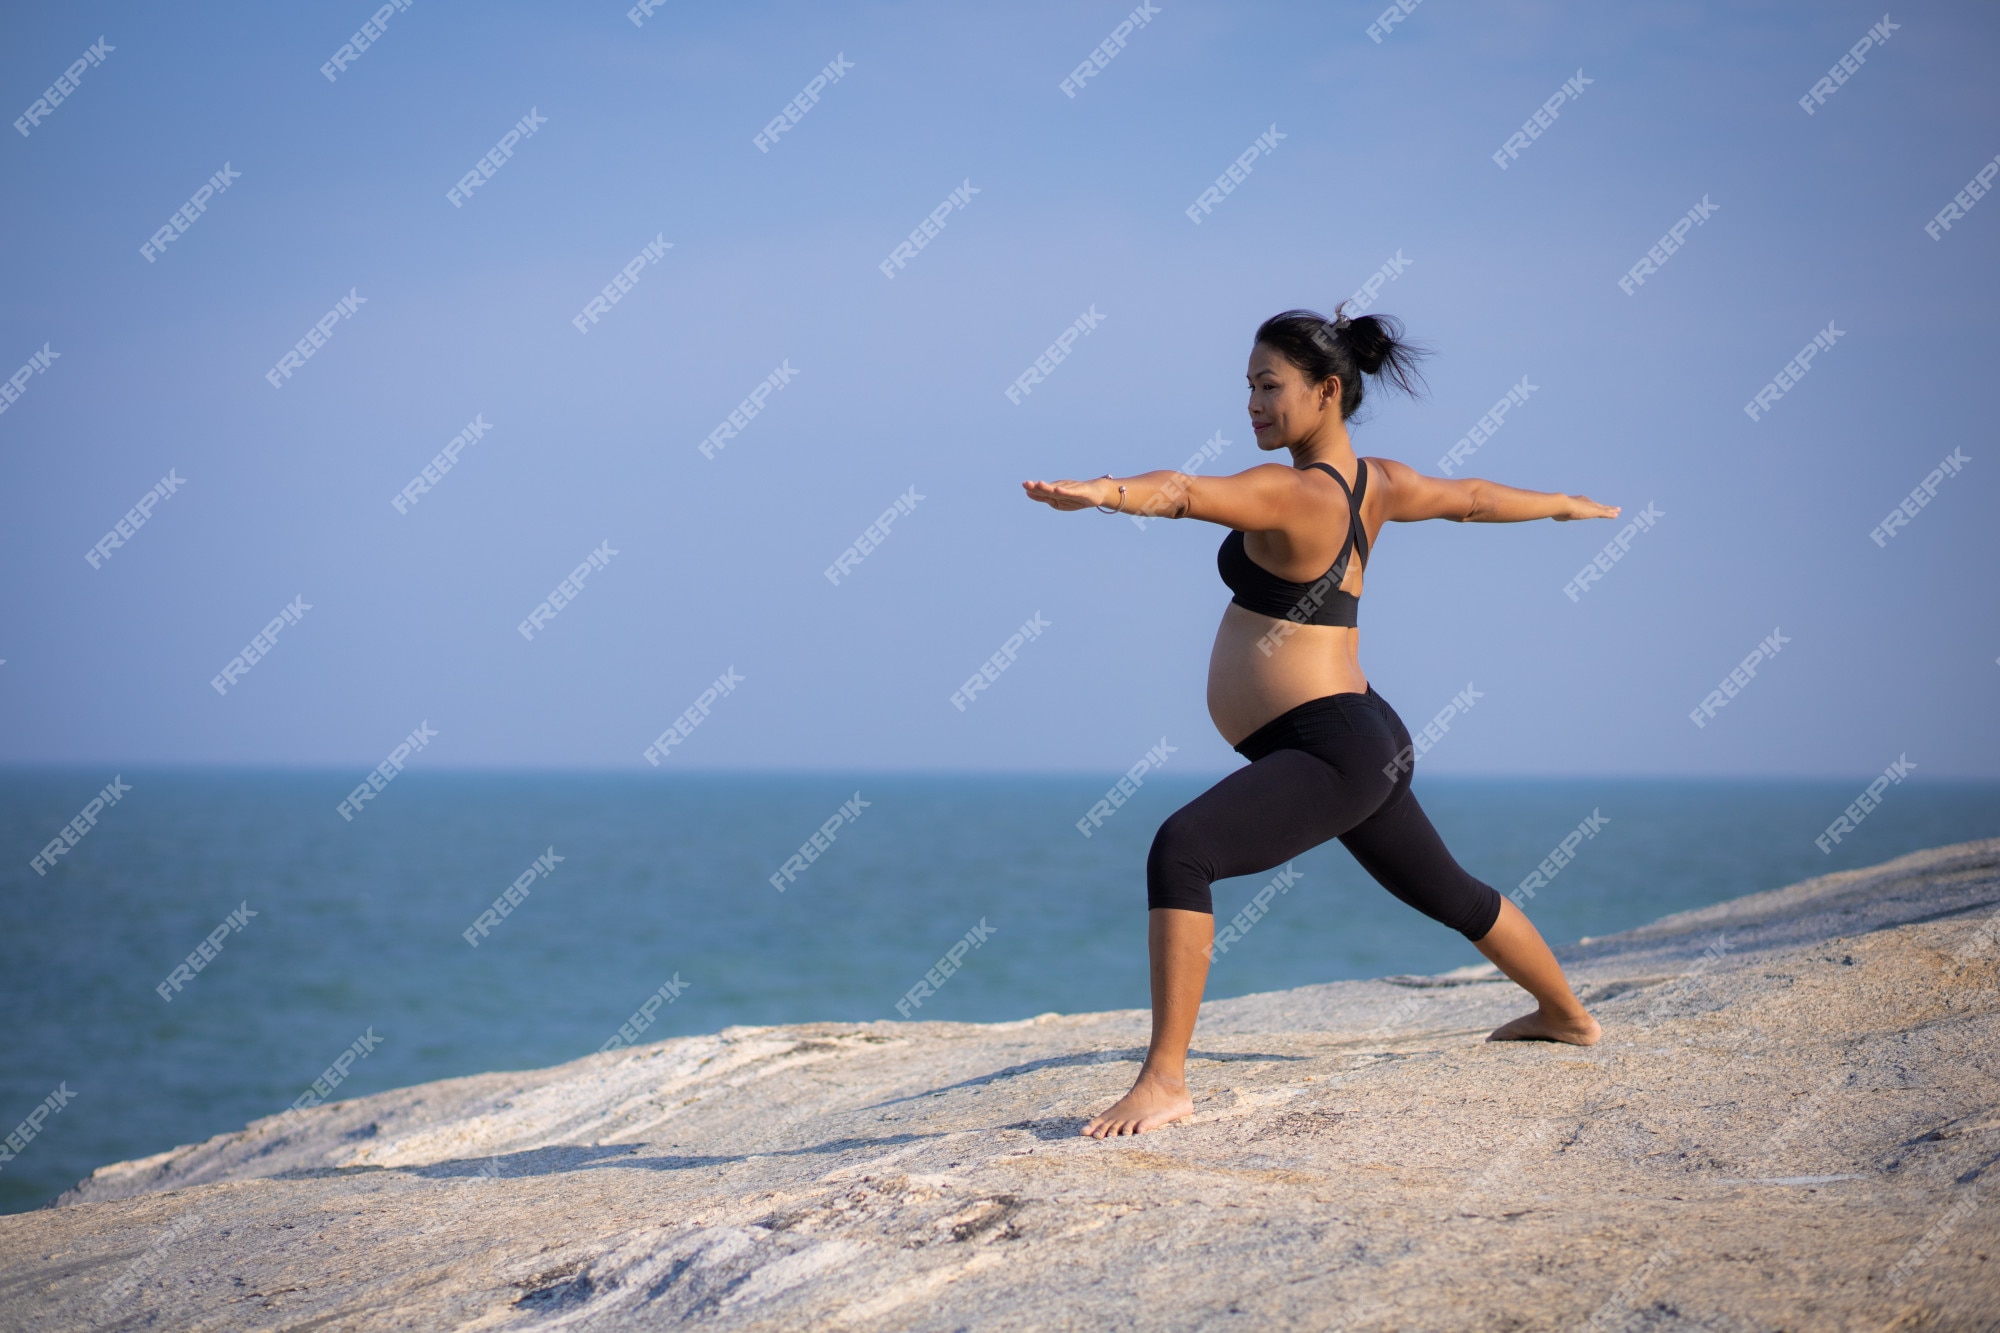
1067	494
1582	506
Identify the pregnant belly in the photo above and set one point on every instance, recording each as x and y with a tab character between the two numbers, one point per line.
1262	667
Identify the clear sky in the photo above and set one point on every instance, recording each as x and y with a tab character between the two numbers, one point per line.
645	131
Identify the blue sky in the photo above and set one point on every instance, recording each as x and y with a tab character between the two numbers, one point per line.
1386	151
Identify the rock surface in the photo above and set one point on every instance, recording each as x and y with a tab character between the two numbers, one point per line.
1793	1122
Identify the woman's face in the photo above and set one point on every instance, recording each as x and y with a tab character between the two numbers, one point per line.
1284	408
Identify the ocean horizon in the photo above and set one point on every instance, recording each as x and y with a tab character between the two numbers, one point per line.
336	932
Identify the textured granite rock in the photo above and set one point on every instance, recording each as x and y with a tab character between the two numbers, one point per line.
1793	1122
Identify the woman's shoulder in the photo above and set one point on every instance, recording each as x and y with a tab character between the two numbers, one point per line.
1384	474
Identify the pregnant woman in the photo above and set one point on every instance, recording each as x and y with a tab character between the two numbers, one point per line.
1328	757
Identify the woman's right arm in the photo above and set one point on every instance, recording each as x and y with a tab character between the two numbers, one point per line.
1413	497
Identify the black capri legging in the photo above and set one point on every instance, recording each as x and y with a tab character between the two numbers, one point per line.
1334	767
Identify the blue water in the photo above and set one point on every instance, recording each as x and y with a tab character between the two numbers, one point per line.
359	925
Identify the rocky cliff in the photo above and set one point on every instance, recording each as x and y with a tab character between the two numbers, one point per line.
1793	1121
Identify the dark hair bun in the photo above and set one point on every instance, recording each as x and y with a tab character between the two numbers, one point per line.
1371	338
1345	348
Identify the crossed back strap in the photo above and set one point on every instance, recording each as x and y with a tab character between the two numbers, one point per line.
1357	535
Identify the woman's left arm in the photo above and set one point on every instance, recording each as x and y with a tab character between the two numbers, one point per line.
1262	498
1162	494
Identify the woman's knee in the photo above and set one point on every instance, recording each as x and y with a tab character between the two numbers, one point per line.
1482	911
1179	869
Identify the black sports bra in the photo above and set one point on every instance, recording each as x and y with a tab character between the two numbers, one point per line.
1320	602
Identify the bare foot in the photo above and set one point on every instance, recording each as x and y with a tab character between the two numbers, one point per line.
1152	1102
1581	1030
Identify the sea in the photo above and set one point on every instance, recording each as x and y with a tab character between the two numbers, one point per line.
331	934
